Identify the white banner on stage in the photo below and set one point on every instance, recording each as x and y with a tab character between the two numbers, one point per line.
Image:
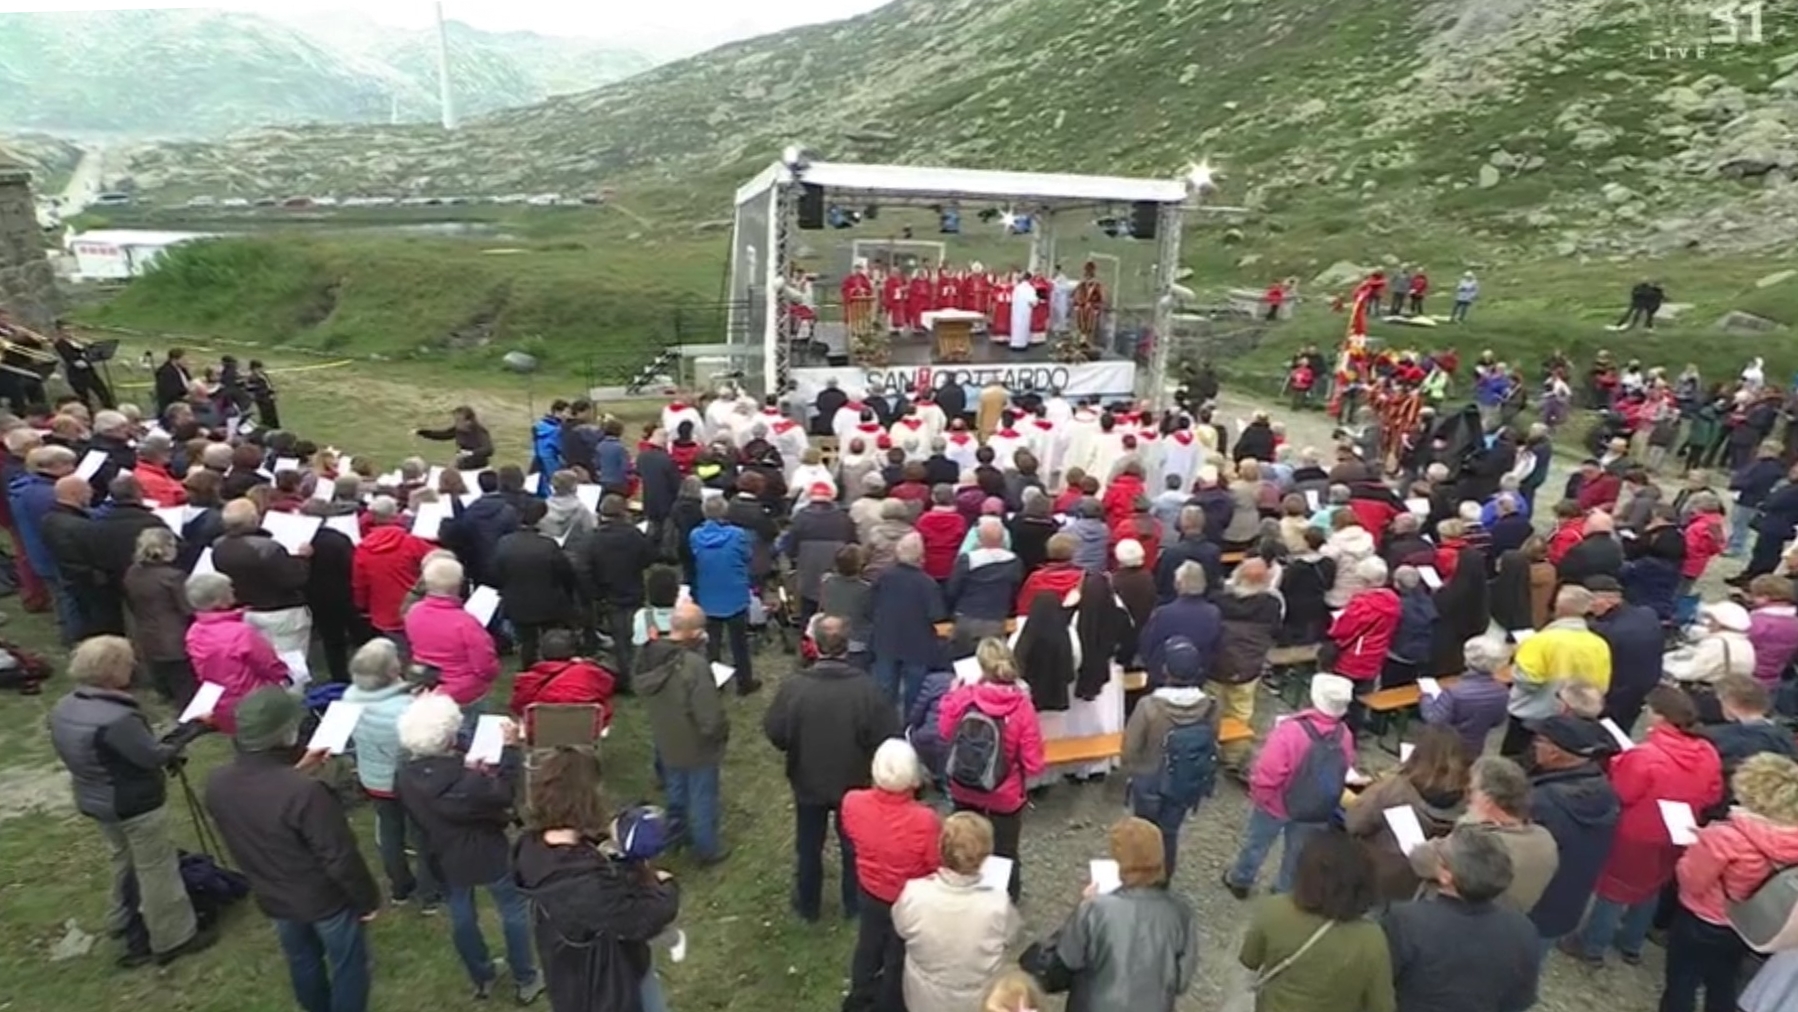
1074	379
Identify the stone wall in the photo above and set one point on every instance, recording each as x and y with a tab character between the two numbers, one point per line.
27	284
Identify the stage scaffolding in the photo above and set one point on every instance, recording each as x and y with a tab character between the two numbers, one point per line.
763	299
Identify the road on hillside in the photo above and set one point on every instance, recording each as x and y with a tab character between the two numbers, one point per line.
84	183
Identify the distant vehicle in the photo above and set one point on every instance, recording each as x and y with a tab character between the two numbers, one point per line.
592	199
267	202
545	200
234	202
112	199
201	202
297	203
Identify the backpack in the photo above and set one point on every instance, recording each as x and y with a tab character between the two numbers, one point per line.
1315	790
1767	920
1188	764
977	752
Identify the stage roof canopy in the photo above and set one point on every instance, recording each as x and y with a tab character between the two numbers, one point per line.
921	183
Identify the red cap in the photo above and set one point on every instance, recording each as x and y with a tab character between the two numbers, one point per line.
821	490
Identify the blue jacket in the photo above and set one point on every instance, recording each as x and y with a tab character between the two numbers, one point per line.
1416	626
1579	809
1752	483
921	724
1188	549
984	584
720	568
31	497
906	604
1219	507
1195	618
474	533
1489	390
1633	632
614	463
546	452
377	735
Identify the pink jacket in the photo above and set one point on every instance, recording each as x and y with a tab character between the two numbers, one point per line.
1279	759
448	638
224	649
1023	741
1730	861
1773	629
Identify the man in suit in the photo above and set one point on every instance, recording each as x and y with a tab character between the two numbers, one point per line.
172	380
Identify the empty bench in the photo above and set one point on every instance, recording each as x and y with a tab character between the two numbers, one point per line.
1098	748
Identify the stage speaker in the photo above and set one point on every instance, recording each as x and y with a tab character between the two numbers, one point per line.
1145	220
811	207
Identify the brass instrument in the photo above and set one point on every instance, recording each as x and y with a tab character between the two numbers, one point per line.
27	353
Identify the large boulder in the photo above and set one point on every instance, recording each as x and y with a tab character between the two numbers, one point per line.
1489	176
1341	273
1738	322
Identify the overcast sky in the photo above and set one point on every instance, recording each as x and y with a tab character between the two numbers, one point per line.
663	27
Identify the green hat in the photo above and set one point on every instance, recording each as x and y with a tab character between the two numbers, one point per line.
266	717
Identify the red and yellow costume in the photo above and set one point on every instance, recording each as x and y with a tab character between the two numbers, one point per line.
1089	303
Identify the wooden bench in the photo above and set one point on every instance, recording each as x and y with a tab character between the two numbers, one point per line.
1393	707
1096	748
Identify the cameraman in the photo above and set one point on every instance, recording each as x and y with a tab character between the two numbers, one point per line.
101	735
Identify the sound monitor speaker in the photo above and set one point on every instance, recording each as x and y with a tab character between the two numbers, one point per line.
1145	220
811	207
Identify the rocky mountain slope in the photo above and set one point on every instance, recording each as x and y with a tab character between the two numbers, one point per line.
201	72
50	159
1560	125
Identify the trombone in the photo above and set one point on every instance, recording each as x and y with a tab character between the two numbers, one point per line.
26	352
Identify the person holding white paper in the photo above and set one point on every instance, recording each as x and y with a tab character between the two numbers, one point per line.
1432	784
1473	705
226	650
1732	858
441	633
1136	948
956	930
269	580
377	683
689	726
465	812
1673	763
116	767
985	775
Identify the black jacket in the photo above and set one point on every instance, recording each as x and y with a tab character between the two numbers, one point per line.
535	579
828	720
171	385
204	528
1249	626
611	561
1633	632
1030	539
288	834
474	533
474	447
1579	809
119	457
1189	548
1594	555
263	575
464	814
1255	443
749	514
1509	533
594	917
1737	743
940	470
660	482
815	536
238	482
984	585
328	577
112	539
114	762
1451	956
68	534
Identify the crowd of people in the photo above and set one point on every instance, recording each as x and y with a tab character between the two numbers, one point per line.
962	576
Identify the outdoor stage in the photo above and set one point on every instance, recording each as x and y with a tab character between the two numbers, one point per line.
913	363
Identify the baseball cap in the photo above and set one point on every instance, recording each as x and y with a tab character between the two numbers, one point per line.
1575	735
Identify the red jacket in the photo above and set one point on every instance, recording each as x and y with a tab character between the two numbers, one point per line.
1374	515
684	455
1023	741
1600	493
1068	499
895	837
1670	766
1570	533
160	487
1704	542
911	491
384	570
1448	557
1056	578
942	530
1120	498
1730	861
563	683
1363	633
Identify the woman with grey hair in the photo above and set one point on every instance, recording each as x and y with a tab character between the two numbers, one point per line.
226	649
378	685
567	515
156	595
894	837
1473	704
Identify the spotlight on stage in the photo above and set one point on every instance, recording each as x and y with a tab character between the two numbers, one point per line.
1017	224
1200	175
949	221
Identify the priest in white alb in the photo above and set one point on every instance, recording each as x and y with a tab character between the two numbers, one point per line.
1023	303
961	446
848	417
680	410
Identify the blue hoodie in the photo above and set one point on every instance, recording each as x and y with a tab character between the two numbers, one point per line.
721	568
546	451
614	463
32	496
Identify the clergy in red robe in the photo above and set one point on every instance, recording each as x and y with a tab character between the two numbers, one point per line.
948	290
1039	314
1001	317
920	299
977	292
893	298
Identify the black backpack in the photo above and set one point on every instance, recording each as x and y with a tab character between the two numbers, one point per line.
1315	790
977	752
